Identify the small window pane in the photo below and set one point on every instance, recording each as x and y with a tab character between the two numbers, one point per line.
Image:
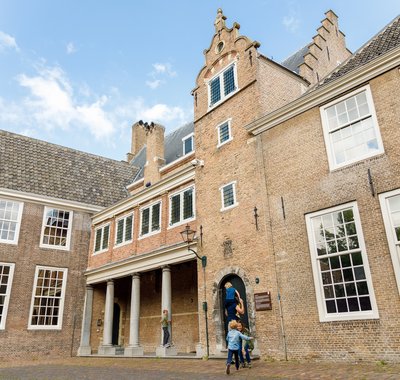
215	91
229	196
224	133
229	81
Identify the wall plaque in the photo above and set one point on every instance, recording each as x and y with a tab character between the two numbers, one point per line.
263	301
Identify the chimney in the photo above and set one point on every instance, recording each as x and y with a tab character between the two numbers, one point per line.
138	140
154	134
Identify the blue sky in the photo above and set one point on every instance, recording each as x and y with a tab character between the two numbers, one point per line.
80	73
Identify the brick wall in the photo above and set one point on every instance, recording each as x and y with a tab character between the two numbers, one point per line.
16	340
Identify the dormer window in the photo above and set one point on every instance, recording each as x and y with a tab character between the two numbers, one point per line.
223	85
188	144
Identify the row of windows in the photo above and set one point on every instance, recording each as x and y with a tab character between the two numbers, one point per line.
340	264
56	225
181	210
47	296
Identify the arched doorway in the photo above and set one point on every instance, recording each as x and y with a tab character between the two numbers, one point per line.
115	329
238	284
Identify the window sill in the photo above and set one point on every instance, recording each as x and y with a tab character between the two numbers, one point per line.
229	207
141	237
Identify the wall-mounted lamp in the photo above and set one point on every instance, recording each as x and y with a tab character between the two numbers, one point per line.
189	236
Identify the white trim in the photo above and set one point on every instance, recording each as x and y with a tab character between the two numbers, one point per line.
133	184
323	315
62	299
101	227
221	83
141	263
69	232
150	207
235	202
229	122
190	135
174	180
391	238
18	222
181	221
7	295
327	134
124	242
329	91
22	196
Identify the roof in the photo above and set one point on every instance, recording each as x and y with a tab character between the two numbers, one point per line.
173	148
387	39
42	168
293	62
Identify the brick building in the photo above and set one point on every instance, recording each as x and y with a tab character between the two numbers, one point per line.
48	194
138	263
293	188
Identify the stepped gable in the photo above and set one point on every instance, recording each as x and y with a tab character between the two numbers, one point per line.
384	41
173	146
42	168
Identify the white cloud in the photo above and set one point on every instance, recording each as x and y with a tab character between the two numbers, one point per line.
7	41
154	83
291	23
160	70
71	48
163	113
51	103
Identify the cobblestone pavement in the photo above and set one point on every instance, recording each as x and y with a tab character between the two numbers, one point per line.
191	369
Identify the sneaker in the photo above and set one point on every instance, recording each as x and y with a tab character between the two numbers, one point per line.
248	365
243	365
228	369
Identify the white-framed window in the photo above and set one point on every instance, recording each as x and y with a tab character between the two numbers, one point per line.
101	238
150	219
224	132
390	205
351	129
10	220
181	207
124	230
48	298
339	260
222	85
188	144
56	228
6	277
228	196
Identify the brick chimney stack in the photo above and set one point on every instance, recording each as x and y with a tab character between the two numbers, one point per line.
138	140
154	152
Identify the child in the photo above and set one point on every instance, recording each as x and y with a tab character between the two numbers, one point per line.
230	294
248	346
233	338
165	324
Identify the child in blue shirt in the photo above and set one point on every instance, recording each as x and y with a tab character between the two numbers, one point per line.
230	294
234	343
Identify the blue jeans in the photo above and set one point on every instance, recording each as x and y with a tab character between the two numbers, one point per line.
165	336
246	352
229	360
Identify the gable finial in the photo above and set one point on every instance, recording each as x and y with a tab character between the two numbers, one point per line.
219	20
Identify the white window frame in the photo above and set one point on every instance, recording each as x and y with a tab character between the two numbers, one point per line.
394	245
124	218
235	202
221	75
327	133
324	316
62	299
180	193
191	137
69	231
218	127
7	294
101	227
151	232
18	222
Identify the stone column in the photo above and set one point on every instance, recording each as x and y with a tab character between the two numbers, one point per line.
84	348
166	304
107	348
134	348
